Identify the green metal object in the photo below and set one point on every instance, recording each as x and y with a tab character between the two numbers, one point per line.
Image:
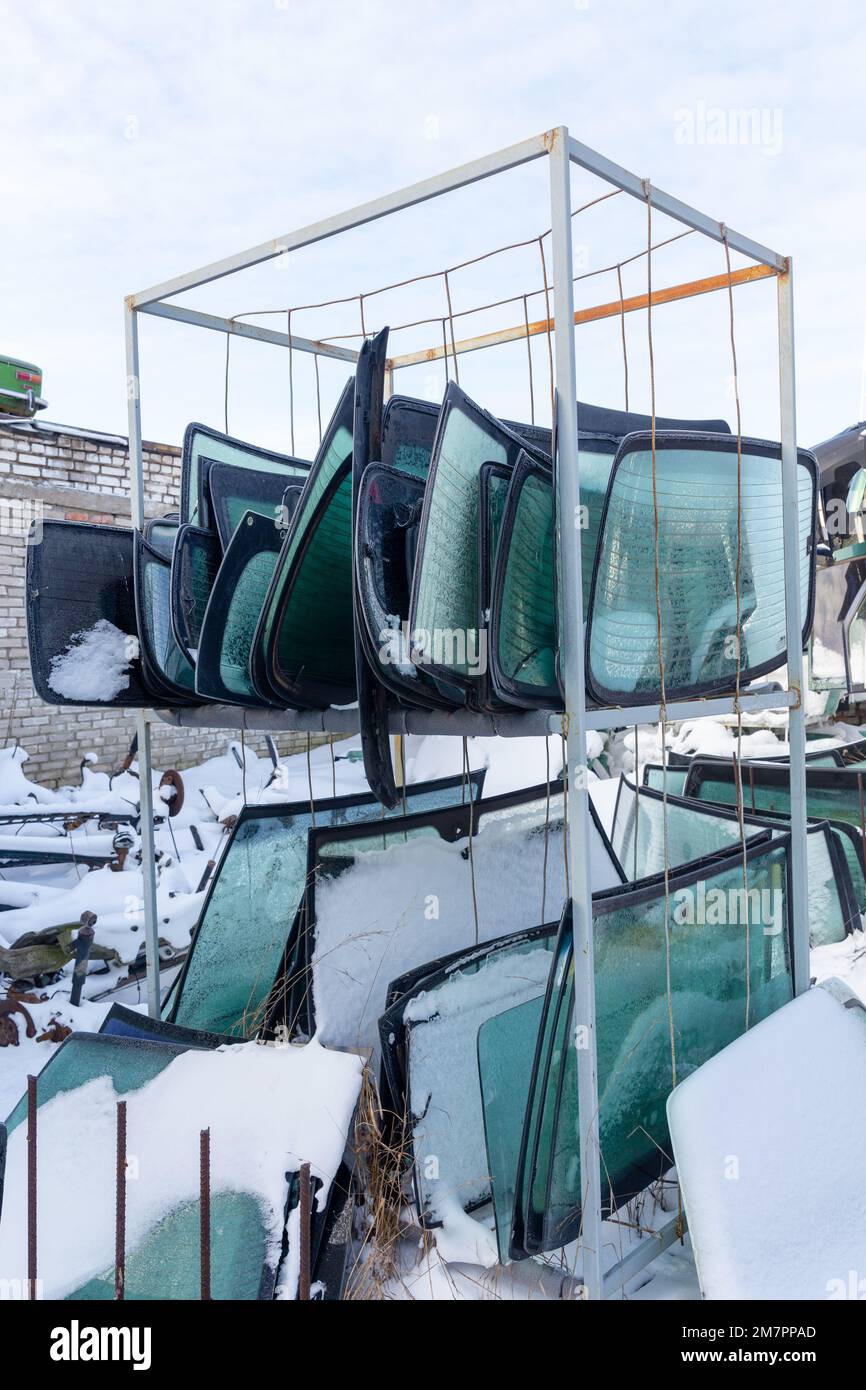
20	388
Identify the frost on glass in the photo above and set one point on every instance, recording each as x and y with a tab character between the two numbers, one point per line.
447	598
170	661
524	618
235	491
231	620
194	567
689	831
166	1264
829	910
648	834
241	620
408	431
657	778
246	922
696	487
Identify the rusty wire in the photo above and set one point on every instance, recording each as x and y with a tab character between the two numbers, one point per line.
738	772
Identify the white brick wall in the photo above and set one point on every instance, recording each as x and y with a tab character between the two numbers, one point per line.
82	478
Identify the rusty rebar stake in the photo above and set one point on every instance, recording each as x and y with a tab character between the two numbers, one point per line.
120	1205
305	1216
31	1187
204	1212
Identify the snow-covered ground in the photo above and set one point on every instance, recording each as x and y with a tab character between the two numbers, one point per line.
215	791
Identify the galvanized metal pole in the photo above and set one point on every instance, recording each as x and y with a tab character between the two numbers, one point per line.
148	850
794	629
571	651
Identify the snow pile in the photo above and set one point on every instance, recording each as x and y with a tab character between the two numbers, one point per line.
95	665
770	1155
268	1109
15	788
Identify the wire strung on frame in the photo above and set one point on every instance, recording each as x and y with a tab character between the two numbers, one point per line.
549	326
529	362
738	772
622	331
318	395
659	632
635	874
467	781
291	380
546	828
226	388
451	325
564	737
458	313
310	782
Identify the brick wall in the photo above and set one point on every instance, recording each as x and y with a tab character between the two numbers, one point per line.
77	476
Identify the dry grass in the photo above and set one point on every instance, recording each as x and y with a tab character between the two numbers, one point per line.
383	1153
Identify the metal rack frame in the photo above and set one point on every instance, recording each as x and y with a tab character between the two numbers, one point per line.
561	151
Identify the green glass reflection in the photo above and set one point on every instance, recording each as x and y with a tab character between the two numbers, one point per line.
696	490
446	607
242	619
199	444
526	616
831	796
649	834
316	634
709	1008
169	659
506	1047
658	778
847	841
85	1056
166	1264
827	916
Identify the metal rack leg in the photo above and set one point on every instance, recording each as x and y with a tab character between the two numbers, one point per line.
148	866
571	647
794	625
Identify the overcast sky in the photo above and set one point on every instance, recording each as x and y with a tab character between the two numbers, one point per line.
141	140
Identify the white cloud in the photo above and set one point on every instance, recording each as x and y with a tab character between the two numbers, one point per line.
142	141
